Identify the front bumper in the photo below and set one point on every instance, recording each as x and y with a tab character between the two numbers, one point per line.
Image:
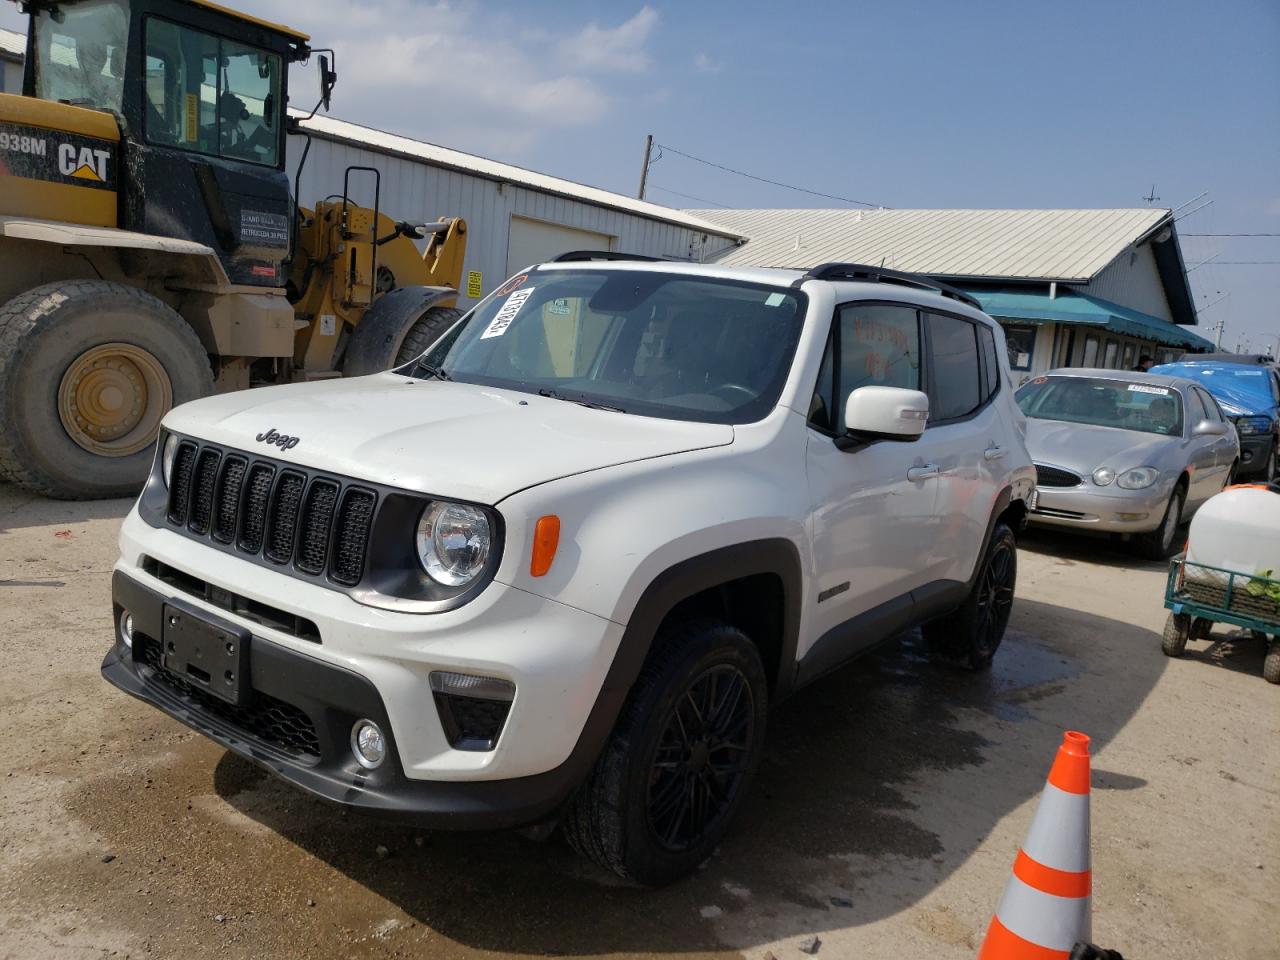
298	727
1086	507
1255	454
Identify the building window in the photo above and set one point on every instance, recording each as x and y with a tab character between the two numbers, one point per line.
1021	342
1129	357
1090	358
1112	355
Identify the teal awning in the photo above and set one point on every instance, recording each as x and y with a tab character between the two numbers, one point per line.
1033	306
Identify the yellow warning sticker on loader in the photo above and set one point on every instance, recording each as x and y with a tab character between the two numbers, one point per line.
191	119
475	284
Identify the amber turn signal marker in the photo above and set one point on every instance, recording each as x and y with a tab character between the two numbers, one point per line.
546	538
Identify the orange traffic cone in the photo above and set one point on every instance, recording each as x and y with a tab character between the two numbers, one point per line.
1045	908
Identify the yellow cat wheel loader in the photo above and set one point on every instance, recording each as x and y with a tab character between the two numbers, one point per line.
152	251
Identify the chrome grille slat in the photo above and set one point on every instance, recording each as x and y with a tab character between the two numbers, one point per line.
317	525
1047	476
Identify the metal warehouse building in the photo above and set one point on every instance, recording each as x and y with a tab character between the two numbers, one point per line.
515	216
1093	288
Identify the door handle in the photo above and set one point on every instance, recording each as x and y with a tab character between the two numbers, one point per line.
925	471
994	453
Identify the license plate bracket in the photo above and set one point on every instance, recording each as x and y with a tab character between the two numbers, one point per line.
209	654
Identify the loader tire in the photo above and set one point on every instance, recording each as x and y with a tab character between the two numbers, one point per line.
87	370
425	331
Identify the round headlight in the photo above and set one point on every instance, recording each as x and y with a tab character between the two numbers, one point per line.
166	457
1103	475
453	542
1138	478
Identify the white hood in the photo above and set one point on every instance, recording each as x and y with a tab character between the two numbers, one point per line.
450	439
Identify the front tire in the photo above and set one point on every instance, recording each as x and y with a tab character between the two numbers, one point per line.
87	370
1161	543
680	760
969	637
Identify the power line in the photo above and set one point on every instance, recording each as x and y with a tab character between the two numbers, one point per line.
1231	234
1244	263
688	196
774	183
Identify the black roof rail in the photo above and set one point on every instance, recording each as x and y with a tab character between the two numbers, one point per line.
578	256
870	274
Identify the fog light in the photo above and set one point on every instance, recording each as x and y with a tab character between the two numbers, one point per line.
126	628
1131	516
368	744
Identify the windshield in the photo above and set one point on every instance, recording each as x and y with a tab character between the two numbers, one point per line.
1246	387
1144	407
656	344
80	53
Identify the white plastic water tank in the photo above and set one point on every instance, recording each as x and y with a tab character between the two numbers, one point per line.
1238	530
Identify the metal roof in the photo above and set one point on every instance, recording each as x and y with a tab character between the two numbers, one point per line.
353	133
1066	245
13	43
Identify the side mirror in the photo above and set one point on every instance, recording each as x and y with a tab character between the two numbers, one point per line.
885	413
1211	428
328	80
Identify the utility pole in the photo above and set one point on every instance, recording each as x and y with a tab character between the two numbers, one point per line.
644	172
1151	197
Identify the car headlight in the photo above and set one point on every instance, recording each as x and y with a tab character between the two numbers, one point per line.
1103	476
453	542
166	458
1139	478
1251	425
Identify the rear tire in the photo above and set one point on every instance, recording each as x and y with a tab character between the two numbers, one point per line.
97	361
1271	665
679	761
425	331
1176	630
969	637
1162	542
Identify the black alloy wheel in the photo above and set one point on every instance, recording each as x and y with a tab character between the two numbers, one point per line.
995	597
701	758
969	636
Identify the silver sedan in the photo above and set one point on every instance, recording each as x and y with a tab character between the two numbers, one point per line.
1125	452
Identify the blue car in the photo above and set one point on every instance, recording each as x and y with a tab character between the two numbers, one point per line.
1247	388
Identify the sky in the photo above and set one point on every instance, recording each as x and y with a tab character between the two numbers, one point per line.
904	104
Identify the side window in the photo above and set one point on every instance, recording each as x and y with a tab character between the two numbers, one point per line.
823	403
1210	406
871	345
991	361
211	96
1130	357
1112	355
953	358
1195	407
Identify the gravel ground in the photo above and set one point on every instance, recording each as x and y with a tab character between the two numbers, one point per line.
889	806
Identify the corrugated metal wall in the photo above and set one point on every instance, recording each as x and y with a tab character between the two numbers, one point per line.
413	190
10	76
1132	280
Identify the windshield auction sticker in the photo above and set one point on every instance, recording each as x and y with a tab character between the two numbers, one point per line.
1143	388
507	312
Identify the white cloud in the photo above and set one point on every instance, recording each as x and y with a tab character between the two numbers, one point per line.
620	48
702	63
458	74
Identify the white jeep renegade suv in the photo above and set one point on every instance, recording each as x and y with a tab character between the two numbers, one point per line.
559	565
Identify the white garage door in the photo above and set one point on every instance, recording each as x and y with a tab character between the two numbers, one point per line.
532	241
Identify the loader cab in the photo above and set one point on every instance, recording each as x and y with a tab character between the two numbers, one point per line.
201	93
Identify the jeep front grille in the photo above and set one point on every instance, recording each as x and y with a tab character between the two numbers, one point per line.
317	524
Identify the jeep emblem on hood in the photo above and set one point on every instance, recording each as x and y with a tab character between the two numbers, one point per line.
281	440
